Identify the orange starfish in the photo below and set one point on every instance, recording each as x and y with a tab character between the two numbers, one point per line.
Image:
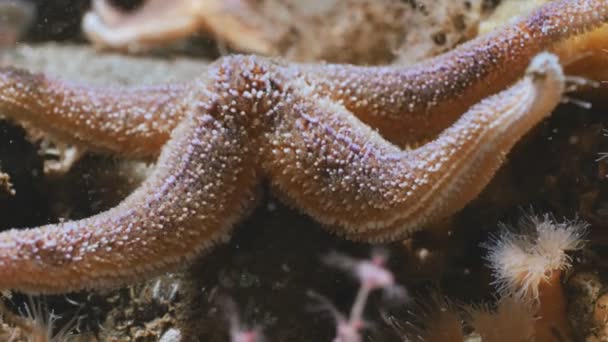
247	117
159	21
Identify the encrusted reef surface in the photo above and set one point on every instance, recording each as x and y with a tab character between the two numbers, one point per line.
275	256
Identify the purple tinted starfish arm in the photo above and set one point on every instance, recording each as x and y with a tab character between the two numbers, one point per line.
413	104
345	175
203	180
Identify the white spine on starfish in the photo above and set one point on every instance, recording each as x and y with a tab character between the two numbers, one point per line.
344	174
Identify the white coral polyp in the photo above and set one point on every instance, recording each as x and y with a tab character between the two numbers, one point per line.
524	257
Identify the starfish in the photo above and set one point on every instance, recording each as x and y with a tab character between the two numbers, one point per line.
288	28
159	21
308	129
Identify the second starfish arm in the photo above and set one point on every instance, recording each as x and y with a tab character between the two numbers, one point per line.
413	104
203	182
345	175
135	122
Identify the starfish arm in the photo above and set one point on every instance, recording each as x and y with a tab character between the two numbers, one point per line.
415	103
160	21
201	185
134	122
345	175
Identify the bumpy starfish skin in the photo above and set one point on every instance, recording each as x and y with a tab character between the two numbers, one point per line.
247	118
407	105
250	120
379	192
134	122
414	104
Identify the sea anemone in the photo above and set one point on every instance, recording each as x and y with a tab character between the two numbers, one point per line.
36	323
525	257
436	319
510	320
528	261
